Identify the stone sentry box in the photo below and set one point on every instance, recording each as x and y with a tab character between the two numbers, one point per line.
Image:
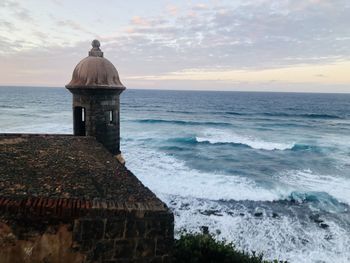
69	198
96	87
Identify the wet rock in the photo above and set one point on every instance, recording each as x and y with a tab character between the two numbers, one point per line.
258	214
328	237
304	241
205	230
275	215
231	213
211	212
324	226
241	214
316	218
293	240
185	206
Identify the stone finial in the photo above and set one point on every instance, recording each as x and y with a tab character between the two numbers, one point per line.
95	43
95	51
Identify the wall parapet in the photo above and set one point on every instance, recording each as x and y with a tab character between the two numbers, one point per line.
72	208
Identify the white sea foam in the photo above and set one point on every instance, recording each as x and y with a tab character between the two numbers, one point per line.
215	136
306	181
285	238
166	174
189	192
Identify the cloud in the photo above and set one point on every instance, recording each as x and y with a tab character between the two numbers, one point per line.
248	35
139	21
9	4
7	26
256	34
51	65
172	10
73	25
17	10
57	2
23	14
200	7
7	46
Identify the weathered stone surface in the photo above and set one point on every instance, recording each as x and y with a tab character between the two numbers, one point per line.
104	250
93	229
115	228
65	167
125	249
145	248
41	247
67	199
86	239
97	106
163	245
135	228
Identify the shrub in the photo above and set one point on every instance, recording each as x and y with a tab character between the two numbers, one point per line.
203	248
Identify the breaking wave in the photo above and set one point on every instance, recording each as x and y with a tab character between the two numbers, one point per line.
239	141
246	141
216	136
321	201
181	122
310	116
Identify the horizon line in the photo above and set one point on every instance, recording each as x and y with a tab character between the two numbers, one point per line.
200	90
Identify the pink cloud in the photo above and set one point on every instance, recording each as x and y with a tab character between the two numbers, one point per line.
139	21
172	10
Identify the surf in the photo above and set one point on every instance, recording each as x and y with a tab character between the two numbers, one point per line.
183	122
215	136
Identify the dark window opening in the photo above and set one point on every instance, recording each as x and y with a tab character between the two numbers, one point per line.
79	121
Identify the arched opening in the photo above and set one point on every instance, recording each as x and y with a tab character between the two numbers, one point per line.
79	121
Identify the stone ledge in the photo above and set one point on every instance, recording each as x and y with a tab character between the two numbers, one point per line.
74	208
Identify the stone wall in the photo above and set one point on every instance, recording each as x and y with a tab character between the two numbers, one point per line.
103	233
28	244
97	105
126	237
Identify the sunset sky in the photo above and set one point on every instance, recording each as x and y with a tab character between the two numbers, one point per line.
260	45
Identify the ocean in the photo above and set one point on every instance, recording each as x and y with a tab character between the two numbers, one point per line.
269	172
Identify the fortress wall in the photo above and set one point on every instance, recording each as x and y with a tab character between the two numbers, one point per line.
128	233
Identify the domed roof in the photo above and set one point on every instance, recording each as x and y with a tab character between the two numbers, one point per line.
95	72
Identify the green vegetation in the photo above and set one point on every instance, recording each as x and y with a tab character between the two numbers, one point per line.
203	248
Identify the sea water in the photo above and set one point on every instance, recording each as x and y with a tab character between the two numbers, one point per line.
269	172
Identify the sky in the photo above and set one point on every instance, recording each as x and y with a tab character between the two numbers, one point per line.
247	45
